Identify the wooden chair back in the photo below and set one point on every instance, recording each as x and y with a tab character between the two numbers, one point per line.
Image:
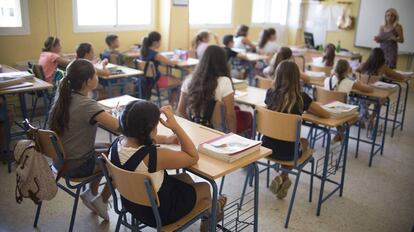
131	185
368	79
278	125
38	71
300	62
150	72
325	96
326	69
263	83
218	117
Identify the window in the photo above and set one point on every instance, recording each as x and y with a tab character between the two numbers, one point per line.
112	15
216	13
269	11
14	17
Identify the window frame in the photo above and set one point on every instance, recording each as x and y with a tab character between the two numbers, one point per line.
268	24
208	26
110	28
25	28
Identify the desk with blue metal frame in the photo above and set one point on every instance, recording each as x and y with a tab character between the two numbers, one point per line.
124	72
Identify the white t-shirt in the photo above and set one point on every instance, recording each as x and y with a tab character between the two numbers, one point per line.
318	61
224	87
200	49
345	85
270	47
126	152
238	43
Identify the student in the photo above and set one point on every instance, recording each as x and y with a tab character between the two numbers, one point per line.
241	40
239	62
375	65
135	151
86	51
201	42
284	53
286	96
50	59
209	83
328	58
149	52
75	117
112	41
267	42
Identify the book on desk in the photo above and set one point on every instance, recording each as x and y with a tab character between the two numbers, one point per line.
340	110
14	79
239	84
229	147
316	75
383	85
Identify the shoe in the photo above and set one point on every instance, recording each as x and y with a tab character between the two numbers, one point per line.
101	208
221	202
284	188
275	185
204	225
87	197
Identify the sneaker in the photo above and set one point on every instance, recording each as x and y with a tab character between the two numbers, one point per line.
284	188
275	185
221	203
101	208
87	197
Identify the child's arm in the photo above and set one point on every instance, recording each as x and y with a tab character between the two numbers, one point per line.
304	77
358	85
182	104
393	74
62	61
171	159
249	43
104	71
165	60
317	110
229	113
107	120
241	56
215	37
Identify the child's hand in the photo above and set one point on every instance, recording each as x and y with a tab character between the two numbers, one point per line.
170	122
172	139
104	62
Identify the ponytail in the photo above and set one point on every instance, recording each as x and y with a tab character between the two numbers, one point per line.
49	43
199	38
83	49
148	41
284	53
264	38
341	69
329	55
78	72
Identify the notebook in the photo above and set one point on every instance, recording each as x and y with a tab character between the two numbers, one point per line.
383	85
239	84
339	110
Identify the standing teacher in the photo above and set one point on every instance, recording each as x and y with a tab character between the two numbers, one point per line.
389	36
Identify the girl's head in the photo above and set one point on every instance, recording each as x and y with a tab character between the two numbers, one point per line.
242	30
391	17
374	62
203	84
152	40
201	37
85	51
284	53
112	41
286	88
80	76
52	44
341	69
139	121
329	55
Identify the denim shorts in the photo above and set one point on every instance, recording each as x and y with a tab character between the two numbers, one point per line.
87	168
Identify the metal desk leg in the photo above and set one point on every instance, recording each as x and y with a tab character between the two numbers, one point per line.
396	110
22	101
256	196
325	170
385	125
374	135
110	93
345	158
405	104
7	133
47	103
213	214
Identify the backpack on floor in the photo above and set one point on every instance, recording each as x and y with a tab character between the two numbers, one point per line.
34	178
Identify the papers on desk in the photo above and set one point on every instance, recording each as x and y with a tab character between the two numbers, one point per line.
239	93
109	66
229	147
239	84
316	75
383	85
121	101
405	73
18	86
339	110
14	78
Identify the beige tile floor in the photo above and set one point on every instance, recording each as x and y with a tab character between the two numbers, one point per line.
380	198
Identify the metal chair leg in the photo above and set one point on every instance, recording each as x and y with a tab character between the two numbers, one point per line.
75	207
222	185
268	174
359	136
39	207
244	189
292	200
311	179
118	223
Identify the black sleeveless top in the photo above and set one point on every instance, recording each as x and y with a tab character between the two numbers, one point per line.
176	197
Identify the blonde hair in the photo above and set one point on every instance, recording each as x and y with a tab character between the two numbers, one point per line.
395	13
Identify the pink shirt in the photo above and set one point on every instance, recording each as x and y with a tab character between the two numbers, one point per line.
48	61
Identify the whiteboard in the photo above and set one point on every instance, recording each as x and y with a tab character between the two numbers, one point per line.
371	17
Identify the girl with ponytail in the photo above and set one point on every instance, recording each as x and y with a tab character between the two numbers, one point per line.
75	117
267	42
201	42
50	57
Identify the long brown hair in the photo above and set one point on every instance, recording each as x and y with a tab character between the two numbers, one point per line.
242	30
341	69
148	41
200	37
329	55
78	72
203	84
265	36
374	62
284	53
50	43
286	89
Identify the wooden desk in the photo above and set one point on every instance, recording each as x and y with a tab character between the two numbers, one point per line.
111	79
251	96
253	57
190	62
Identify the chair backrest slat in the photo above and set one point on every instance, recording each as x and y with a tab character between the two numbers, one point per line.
326	69
325	96
217	119
131	185
140	65
277	125
263	83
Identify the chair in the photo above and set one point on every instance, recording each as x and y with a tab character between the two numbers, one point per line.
287	128
300	62
368	79
326	69
263	83
218	118
138	188
50	145
150	72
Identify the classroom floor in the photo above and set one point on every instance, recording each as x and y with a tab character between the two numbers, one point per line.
377	199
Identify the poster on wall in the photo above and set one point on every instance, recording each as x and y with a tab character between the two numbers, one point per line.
180	2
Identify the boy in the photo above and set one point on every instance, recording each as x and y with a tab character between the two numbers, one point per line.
111	53
238	61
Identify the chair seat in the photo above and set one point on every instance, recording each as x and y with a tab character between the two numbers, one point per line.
168	82
76	180
305	156
198	208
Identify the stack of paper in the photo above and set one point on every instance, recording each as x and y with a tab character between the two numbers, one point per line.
339	110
